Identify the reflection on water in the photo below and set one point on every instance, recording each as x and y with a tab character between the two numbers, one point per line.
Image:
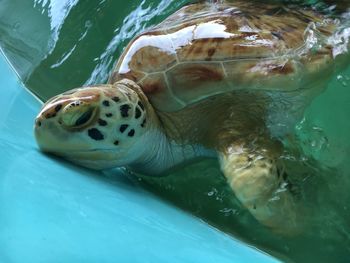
57	12
72	43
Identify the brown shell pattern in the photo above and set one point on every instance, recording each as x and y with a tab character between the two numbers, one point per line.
206	49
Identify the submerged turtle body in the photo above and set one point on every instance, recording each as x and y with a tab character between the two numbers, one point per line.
206	49
212	80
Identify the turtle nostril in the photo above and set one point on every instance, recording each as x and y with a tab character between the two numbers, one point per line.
37	123
38	120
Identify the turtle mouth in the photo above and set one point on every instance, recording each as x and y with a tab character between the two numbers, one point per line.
75	153
96	159
93	151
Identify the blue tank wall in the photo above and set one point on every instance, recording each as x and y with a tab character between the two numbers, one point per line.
51	211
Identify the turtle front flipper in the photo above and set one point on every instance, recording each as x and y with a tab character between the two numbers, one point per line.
260	186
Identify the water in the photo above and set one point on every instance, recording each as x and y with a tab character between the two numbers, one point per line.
72	43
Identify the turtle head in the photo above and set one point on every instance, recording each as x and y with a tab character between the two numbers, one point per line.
98	127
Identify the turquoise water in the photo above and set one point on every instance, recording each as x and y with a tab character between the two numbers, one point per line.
73	43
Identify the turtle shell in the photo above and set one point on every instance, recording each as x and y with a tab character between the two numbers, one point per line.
206	49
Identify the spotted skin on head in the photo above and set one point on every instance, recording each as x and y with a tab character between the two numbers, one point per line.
102	117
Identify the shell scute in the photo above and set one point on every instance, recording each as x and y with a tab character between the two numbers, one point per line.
133	75
150	52
156	89
157	60
267	74
189	81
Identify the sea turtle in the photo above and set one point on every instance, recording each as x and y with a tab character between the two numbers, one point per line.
225	80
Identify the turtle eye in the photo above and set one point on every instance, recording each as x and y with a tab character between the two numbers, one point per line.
79	116
84	118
